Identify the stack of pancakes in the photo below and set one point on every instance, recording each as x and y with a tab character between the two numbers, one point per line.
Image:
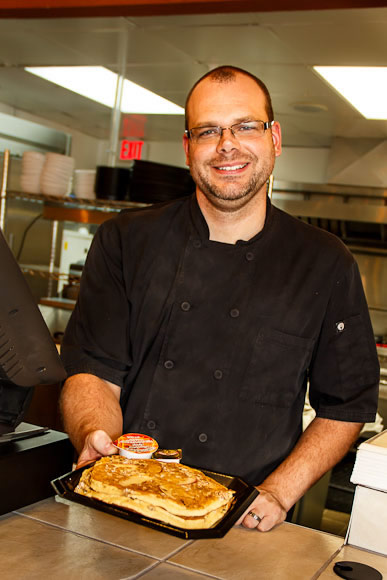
173	493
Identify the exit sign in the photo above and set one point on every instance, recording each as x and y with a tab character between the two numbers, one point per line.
130	149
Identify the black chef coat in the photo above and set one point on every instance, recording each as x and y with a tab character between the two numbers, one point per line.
213	343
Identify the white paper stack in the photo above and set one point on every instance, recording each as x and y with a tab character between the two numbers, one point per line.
57	175
368	523
370	467
31	170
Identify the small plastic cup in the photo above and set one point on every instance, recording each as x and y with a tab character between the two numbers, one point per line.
136	446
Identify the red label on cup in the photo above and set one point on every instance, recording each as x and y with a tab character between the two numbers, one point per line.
136	443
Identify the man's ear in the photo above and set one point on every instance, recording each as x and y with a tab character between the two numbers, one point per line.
277	138
186	148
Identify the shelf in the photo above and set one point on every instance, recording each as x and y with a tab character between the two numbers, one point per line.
57	302
86	211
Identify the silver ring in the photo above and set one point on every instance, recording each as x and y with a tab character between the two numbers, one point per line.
253	515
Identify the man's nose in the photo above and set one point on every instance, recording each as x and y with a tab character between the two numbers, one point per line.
227	141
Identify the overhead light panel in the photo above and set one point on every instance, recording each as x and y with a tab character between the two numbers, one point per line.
365	87
99	84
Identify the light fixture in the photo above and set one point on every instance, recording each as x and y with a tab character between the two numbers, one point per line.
99	84
365	87
308	107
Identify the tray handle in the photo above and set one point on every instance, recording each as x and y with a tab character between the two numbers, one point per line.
58	486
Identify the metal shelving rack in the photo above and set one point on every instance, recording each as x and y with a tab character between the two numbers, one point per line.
83	211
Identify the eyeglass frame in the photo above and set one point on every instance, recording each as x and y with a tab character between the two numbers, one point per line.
266	125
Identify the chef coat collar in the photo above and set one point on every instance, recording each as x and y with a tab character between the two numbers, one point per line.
201	228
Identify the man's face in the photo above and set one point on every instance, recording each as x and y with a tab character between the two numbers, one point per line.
230	172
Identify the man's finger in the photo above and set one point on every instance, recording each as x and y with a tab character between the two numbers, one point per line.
82	461
239	522
252	519
100	442
97	444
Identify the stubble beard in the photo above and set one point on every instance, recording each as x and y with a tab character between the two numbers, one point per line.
233	195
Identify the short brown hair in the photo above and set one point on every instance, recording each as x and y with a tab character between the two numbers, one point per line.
226	74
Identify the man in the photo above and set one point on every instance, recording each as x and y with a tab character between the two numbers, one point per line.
200	321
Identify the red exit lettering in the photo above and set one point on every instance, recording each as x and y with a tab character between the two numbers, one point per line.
130	149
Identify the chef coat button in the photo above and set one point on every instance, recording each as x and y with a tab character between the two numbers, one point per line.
197	244
185	306
249	256
234	313
151	425
169	364
218	374
203	437
340	326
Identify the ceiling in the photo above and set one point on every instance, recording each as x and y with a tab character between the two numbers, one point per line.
167	54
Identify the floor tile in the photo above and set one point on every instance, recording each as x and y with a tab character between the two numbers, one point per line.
30	550
301	554
170	572
349	553
98	525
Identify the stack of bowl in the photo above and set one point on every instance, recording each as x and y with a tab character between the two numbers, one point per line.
84	180
57	175
31	170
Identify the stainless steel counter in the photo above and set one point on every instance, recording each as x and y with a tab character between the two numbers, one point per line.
60	540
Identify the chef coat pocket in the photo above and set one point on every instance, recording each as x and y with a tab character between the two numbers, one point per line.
277	368
352	349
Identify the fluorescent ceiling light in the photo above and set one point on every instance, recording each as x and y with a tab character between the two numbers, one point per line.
99	84
365	87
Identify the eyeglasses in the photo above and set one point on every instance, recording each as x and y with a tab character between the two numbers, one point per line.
246	131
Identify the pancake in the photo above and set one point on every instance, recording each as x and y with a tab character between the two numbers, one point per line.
170	492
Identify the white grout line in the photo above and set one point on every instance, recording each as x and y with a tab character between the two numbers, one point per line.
179	549
148	569
326	564
195	570
199	573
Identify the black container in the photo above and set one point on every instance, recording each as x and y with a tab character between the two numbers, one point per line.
153	182
27	466
112	183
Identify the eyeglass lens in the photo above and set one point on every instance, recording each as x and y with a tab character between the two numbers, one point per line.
241	131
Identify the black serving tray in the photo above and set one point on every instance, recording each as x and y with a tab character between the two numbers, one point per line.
244	495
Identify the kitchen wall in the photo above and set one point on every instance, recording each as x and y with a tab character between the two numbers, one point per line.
87	151
301	164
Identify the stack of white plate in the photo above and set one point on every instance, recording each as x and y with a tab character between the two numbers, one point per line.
84	180
57	175
31	170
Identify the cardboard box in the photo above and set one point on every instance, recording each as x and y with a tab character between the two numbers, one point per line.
368	524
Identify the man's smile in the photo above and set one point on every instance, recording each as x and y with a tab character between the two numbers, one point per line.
231	167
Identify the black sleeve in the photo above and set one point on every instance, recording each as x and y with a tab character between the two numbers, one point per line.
344	374
96	340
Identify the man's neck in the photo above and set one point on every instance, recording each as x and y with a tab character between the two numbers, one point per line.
230	224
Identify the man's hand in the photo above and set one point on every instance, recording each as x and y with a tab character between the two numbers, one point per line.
268	509
92	415
320	447
97	444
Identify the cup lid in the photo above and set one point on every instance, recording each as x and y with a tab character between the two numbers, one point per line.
136	443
